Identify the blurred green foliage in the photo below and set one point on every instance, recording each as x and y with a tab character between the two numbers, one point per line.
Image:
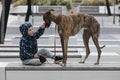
66	3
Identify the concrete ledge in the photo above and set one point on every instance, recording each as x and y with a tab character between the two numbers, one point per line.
63	75
70	66
2	70
72	71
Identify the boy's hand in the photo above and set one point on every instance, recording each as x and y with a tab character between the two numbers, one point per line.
42	26
36	56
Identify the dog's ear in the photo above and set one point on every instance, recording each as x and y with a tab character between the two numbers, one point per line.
52	11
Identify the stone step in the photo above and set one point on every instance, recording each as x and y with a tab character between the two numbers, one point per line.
14	29
40	46
71	48
108	53
11	56
51	49
74	40
110	48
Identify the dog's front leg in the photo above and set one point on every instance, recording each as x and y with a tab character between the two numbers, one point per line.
64	35
64	43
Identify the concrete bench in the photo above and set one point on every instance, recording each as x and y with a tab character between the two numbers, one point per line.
37	10
72	71
99	10
89	9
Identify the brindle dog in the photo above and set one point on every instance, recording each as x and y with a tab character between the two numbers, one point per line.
70	25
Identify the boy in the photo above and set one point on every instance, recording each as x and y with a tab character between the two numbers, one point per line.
29	53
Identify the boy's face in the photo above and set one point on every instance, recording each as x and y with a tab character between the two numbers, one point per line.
30	31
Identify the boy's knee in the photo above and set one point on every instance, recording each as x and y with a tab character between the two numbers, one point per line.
43	50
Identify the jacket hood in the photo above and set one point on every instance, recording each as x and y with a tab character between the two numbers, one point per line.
24	28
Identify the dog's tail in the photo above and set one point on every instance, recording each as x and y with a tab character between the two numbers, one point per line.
102	46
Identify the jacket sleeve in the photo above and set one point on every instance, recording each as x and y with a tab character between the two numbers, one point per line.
24	52
38	33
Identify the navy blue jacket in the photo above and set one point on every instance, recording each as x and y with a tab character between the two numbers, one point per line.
28	44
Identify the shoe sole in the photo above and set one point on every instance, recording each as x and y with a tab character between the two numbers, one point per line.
57	62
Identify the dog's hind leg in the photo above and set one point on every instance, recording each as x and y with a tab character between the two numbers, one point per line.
86	37
95	40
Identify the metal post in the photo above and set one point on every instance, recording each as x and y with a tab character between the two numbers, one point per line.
29	12
2	23
108	7
4	19
114	14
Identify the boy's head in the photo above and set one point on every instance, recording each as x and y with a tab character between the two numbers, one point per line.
26	29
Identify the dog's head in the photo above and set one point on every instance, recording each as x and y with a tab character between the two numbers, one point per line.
47	18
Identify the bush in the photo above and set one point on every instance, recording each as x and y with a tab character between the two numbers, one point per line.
44	2
56	2
19	2
96	2
67	4
76	0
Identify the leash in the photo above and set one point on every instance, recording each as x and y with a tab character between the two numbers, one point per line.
55	43
47	61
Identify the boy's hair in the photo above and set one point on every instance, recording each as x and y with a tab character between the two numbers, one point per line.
24	28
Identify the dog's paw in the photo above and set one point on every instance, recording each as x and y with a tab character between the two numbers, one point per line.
96	63
62	65
81	62
58	62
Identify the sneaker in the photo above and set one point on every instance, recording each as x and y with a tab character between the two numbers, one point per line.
58	58
42	59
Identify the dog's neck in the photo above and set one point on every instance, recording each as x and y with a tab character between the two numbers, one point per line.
58	19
